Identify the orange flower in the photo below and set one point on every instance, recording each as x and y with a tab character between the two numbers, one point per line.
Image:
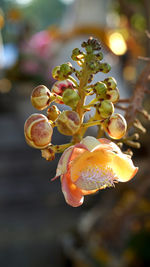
90	166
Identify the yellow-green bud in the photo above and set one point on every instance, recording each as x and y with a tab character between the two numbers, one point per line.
41	97
116	126
55	72
106	109
62	72
100	89
113	95
110	82
68	122
94	66
66	69
77	54
38	131
70	98
53	113
104	67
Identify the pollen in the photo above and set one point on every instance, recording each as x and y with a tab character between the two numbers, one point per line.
96	177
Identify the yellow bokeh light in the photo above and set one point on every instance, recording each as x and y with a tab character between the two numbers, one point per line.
117	44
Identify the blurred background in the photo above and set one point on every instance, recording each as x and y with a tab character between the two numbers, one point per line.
37	227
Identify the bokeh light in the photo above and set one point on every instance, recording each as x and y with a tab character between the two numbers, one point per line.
117	44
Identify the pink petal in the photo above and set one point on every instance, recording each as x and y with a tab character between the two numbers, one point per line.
63	162
72	194
68	155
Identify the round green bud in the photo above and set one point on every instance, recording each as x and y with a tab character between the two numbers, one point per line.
66	69
100	89
104	67
94	66
55	72
116	126
77	54
106	109
89	49
68	122
113	95
70	98
110	82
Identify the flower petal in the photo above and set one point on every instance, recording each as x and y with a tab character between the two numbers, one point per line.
69	154
62	164
90	142
77	151
96	158
72	194
123	167
111	145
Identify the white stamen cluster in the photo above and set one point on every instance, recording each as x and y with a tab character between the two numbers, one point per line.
96	177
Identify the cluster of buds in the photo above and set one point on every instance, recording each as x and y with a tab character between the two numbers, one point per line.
68	91
107	94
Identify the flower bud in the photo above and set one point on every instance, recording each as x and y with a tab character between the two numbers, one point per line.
68	122
110	82
38	131
116	126
53	113
55	72
66	69
70	98
59	87
99	56
77	54
94	65
62	72
100	89
41	97
91	43
48	153
113	95
106	109
104	67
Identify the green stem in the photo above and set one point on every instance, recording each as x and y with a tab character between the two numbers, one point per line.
91	104
91	123
80	107
60	148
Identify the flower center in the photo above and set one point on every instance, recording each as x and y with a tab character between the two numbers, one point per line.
96	177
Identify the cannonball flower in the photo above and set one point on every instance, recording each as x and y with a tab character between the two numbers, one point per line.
91	165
